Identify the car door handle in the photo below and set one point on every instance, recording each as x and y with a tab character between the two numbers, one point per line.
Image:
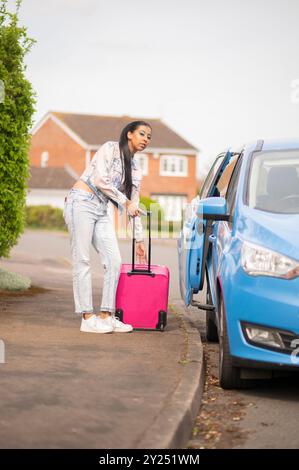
212	238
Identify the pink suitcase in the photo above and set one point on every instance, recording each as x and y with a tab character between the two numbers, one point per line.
142	293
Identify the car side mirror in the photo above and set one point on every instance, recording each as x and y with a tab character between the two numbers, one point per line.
212	208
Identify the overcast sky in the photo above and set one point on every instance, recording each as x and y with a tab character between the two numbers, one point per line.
219	72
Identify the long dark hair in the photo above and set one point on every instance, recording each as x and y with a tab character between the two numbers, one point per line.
126	155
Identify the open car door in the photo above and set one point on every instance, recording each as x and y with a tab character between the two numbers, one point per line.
193	241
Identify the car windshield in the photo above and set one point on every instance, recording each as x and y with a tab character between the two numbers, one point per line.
274	181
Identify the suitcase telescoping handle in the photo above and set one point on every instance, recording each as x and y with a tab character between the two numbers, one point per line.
148	270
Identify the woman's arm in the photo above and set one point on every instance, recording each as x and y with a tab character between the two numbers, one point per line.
103	181
103	173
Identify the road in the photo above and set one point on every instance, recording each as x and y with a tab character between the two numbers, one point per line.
264	417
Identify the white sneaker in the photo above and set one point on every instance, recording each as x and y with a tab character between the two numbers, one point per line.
95	325
117	325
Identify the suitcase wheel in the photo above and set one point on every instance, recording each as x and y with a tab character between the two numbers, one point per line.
119	314
162	320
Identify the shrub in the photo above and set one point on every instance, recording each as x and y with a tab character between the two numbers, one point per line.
16	112
45	217
13	281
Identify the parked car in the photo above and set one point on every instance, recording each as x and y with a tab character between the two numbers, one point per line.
242	235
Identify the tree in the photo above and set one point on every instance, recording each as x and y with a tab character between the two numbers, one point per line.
16	112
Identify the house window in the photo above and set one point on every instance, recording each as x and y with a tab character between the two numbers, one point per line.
44	159
173	165
173	206
142	161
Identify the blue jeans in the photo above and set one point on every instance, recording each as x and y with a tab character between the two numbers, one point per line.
88	223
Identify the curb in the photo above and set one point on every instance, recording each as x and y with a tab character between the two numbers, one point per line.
172	429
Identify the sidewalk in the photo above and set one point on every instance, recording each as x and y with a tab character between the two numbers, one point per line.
64	389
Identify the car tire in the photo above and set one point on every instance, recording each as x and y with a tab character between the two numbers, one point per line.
211	327
229	375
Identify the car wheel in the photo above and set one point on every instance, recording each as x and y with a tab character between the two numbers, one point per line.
229	375
211	328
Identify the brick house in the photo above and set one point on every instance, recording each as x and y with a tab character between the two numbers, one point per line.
68	142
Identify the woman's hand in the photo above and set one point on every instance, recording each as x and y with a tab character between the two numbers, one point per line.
140	253
132	209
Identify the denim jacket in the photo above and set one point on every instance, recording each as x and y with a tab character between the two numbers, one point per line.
105	176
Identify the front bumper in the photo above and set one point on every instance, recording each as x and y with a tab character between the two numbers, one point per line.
263	365
264	301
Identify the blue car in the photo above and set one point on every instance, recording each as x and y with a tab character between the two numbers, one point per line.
240	242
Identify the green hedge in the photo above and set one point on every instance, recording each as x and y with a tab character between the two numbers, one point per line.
47	217
16	112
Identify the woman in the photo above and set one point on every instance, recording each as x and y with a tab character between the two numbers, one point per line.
112	175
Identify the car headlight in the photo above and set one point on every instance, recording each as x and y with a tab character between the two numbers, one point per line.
259	261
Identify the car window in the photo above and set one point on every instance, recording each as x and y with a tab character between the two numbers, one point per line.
232	186
226	176
273	183
206	186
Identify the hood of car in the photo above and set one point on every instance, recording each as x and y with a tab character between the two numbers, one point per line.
278	232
